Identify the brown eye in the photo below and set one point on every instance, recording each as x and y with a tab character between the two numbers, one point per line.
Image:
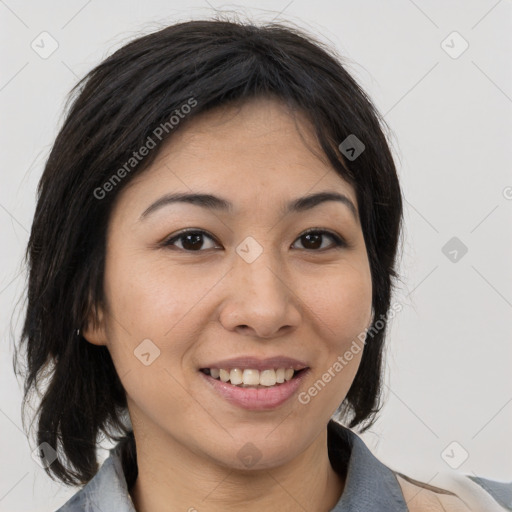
312	240
191	241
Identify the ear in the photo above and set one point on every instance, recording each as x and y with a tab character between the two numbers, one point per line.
95	330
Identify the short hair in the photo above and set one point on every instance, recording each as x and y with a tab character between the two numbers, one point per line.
115	108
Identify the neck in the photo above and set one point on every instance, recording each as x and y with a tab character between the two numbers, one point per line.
173	479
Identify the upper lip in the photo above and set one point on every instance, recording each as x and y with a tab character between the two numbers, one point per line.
255	363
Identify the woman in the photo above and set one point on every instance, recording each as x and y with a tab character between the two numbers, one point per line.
211	266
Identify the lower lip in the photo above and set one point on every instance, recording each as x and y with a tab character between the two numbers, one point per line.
256	398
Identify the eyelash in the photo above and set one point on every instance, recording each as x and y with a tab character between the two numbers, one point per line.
338	241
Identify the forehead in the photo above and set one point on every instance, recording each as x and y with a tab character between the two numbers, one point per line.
256	148
263	128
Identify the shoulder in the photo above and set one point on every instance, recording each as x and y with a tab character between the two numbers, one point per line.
106	491
455	493
422	497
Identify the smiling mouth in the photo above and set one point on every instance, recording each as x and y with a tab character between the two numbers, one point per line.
251	378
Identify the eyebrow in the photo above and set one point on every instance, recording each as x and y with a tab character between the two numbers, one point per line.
212	202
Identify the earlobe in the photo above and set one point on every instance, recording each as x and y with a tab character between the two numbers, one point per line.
93	336
94	332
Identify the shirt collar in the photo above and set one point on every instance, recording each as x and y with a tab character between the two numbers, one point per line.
369	484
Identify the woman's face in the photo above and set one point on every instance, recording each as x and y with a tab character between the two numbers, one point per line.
246	284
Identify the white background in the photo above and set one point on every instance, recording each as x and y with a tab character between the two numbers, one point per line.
450	352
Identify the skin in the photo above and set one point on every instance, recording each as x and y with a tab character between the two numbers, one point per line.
208	304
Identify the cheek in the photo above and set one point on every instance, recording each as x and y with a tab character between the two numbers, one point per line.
341	303
150	335
149	294
341	309
161	300
160	303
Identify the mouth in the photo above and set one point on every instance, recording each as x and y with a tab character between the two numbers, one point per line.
253	378
252	389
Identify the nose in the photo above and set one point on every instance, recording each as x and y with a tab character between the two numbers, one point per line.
259	299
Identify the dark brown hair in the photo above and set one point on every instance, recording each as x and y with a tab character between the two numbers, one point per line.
115	108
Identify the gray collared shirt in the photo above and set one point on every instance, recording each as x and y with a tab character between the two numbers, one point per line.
369	484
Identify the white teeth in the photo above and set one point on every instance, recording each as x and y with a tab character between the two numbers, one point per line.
235	376
268	378
250	377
